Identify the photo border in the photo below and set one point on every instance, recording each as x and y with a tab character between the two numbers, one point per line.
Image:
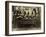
7	17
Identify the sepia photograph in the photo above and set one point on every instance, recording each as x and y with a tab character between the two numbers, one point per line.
24	18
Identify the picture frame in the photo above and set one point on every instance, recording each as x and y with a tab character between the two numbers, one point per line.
24	18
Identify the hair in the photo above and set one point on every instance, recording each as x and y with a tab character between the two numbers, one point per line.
34	10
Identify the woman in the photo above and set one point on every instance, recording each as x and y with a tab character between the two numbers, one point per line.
34	13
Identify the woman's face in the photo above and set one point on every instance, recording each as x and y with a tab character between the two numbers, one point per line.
34	11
